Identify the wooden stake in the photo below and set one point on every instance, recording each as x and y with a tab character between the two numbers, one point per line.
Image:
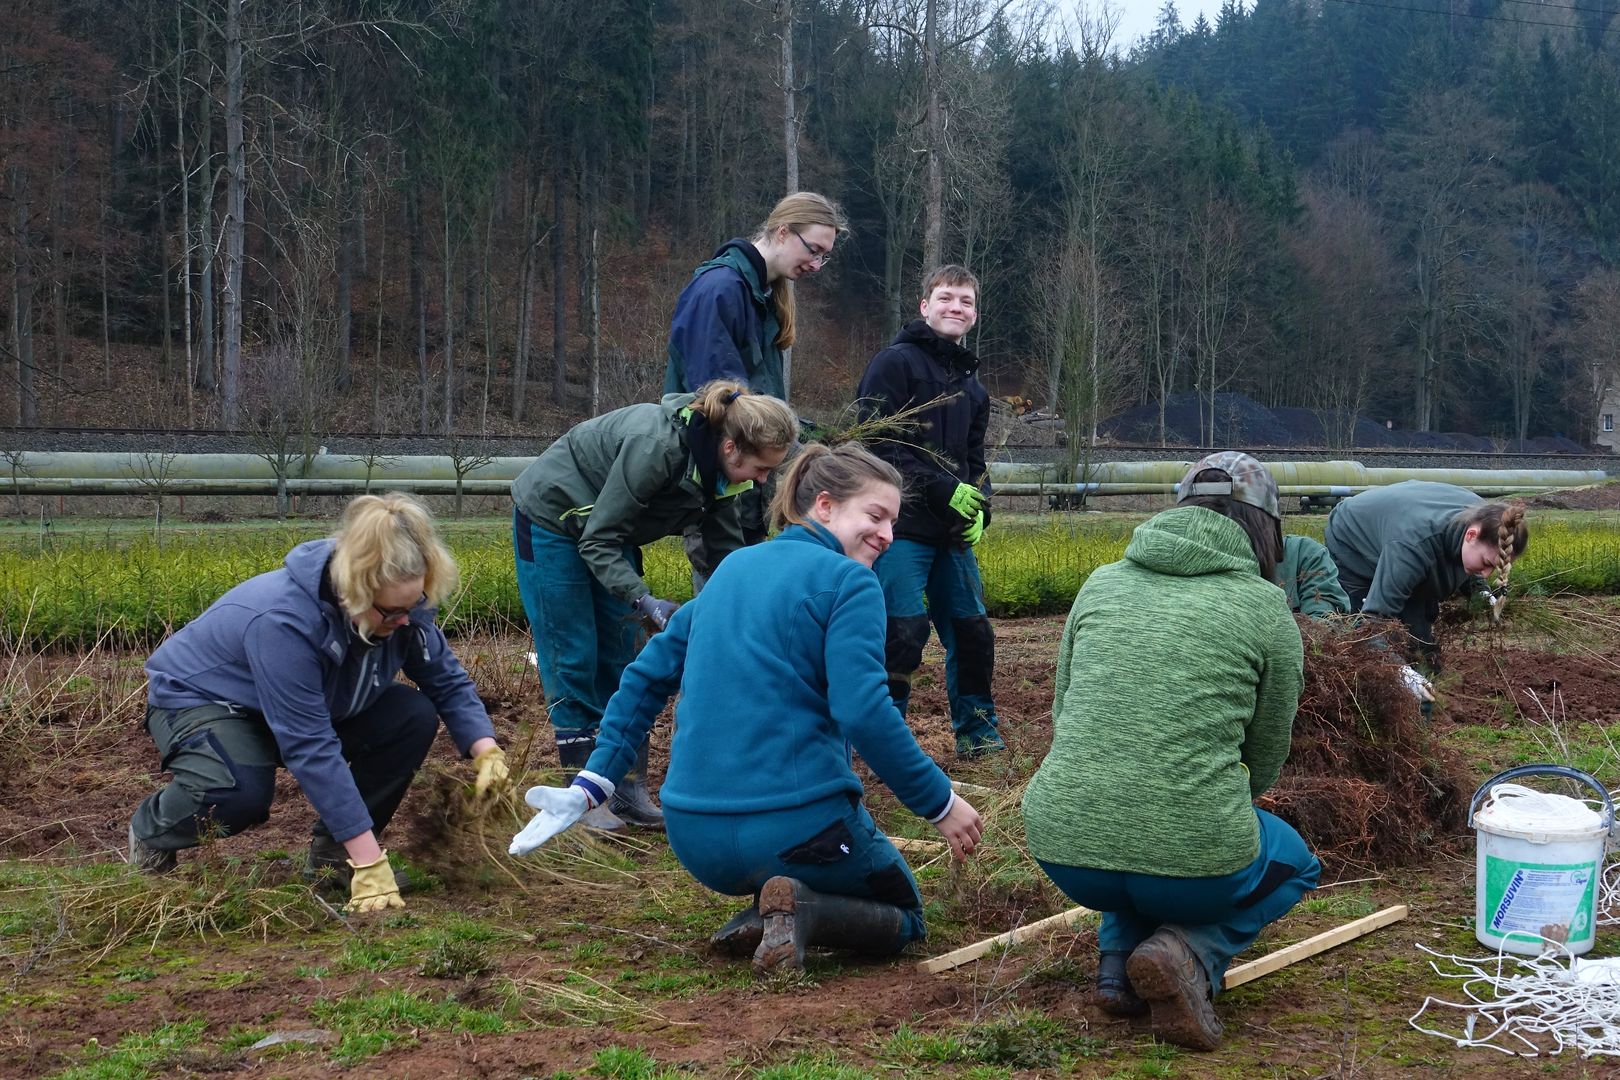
972	952
906	843
972	789
1322	942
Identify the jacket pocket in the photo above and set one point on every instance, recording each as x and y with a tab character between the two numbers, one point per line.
830	845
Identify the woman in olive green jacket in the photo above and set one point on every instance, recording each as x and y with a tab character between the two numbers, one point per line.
583	509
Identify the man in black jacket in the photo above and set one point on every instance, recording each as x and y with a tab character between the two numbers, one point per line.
939	449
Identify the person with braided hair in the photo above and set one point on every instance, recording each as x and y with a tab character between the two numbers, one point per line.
1404	548
581	513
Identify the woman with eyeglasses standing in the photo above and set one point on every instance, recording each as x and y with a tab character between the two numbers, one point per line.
736	316
296	667
733	318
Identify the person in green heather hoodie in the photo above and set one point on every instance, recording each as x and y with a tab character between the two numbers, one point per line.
1310	580
583	509
1177	679
779	667
1404	548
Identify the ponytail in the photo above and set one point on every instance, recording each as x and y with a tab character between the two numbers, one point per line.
840	471
755	422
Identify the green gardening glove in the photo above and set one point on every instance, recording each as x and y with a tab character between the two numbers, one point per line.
975	531
967	501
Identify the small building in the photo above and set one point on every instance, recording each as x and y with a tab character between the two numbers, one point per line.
1608	412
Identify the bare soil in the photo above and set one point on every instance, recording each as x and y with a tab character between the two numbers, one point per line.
1341	1014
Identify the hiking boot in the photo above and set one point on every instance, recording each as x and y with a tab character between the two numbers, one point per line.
740	936
1114	994
795	916
631	801
149	860
327	864
1166	972
979	743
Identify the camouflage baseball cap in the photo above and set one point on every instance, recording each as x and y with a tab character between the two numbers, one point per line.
1248	481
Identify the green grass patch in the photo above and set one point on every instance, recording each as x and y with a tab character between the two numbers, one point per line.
160	1052
369	1024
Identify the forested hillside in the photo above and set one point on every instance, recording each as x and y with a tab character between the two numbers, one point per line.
475	215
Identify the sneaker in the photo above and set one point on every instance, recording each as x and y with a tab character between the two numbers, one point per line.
979	743
1168	975
149	860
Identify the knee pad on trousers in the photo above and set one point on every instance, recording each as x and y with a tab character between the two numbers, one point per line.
236	809
975	655
903	648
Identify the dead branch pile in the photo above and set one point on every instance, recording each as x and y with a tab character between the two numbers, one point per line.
1366	785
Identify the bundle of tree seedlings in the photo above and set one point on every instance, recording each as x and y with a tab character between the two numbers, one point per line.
1366	784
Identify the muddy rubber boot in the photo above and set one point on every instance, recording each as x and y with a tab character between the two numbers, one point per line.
149	860
326	867
1115	995
1166	972
741	934
795	916
631	801
574	750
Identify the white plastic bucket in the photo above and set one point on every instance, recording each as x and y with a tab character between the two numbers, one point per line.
1538	860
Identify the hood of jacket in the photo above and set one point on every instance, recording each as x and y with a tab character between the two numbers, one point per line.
742	256
952	355
1191	540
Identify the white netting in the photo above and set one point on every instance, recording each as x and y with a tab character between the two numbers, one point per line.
1529	1006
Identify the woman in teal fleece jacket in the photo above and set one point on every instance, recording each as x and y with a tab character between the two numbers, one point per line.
779	666
1177	679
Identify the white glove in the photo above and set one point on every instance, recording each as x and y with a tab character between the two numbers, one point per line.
559	809
1416	684
1494	602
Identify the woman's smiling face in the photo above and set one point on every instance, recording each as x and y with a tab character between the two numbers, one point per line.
864	522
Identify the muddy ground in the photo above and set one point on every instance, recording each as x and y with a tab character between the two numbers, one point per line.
593	964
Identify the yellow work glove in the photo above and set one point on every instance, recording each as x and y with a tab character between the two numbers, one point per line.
373	888
492	771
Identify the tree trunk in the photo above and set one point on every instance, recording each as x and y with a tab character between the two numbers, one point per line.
449	293
377	345
206	332
526	293
934	229
184	269
22	303
559	290
166	253
593	293
106	302
790	150
344	300
235	210
413	216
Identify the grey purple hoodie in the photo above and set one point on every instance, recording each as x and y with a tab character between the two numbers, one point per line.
280	645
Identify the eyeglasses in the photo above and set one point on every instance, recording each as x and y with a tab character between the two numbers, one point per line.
396	614
818	258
